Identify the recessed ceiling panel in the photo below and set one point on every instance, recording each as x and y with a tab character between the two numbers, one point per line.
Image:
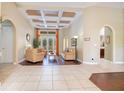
51	21
51	13
63	21
51	26
61	26
40	25
37	20
68	14
33	12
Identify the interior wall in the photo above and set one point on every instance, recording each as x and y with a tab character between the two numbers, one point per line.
76	29
22	27
94	19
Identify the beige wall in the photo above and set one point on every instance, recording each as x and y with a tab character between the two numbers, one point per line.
76	29
10	11
85	26
94	19
89	26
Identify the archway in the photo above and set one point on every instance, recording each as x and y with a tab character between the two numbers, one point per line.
106	43
8	42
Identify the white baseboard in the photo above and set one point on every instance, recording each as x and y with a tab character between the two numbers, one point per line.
105	60
118	62
85	62
114	62
80	60
21	60
92	63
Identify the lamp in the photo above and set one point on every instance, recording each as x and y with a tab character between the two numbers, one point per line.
75	37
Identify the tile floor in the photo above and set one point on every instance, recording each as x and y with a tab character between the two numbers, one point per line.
56	78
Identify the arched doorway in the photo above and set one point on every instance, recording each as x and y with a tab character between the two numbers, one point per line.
106	43
7	42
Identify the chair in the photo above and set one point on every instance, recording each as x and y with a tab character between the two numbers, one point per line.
69	55
42	50
34	55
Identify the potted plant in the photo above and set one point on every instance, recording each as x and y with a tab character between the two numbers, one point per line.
36	43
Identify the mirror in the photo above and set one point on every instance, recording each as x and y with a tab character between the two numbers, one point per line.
28	37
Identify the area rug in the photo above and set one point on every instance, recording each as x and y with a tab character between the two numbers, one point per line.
113	81
47	62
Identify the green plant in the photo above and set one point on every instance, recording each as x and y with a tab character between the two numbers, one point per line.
36	43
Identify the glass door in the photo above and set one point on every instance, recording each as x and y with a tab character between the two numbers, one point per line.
44	43
51	43
48	42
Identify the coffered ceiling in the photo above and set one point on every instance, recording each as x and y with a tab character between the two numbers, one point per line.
56	15
50	18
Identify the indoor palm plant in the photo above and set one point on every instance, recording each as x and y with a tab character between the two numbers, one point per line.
36	43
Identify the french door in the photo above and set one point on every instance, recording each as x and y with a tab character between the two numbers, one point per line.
48	42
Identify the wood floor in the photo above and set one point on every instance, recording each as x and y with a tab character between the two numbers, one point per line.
113	81
46	62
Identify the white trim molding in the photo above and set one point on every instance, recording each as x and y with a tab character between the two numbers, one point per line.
92	63
118	62
105	60
86	62
21	60
80	60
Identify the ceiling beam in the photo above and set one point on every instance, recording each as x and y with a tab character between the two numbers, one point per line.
43	18
59	17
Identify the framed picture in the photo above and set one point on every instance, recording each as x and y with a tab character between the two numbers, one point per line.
73	41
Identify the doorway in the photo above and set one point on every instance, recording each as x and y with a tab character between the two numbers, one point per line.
48	41
7	42
106	43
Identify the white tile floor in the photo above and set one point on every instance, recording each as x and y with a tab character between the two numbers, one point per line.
58	78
